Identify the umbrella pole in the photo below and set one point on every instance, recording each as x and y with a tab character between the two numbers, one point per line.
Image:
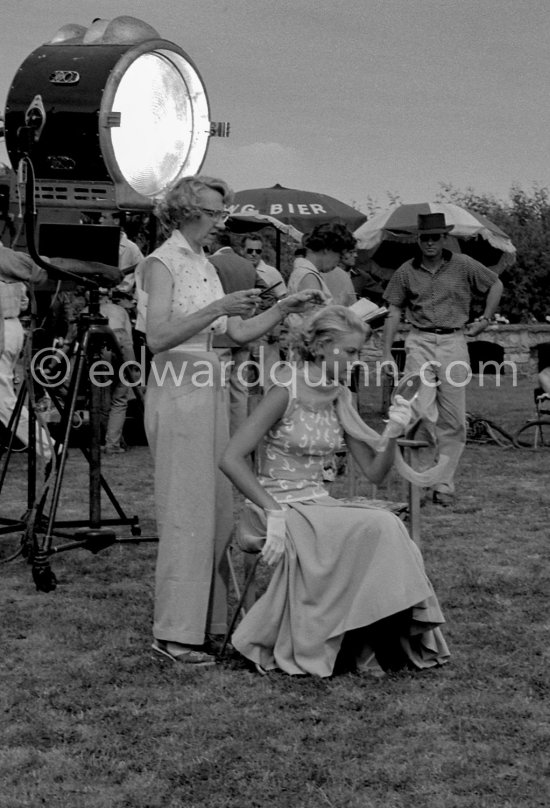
278	248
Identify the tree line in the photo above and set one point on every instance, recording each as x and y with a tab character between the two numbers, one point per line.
525	218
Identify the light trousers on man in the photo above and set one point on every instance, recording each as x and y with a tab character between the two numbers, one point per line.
117	398
442	360
13	345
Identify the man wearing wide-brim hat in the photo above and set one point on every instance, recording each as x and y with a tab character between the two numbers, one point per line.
434	290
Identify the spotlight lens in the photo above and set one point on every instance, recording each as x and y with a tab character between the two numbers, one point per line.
163	132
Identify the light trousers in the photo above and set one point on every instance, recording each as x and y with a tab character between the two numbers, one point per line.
187	429
120	393
442	360
13	345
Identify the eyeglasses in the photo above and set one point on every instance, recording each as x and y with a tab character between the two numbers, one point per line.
430	237
252	250
216	215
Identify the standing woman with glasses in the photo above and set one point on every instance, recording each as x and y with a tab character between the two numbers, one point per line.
186	416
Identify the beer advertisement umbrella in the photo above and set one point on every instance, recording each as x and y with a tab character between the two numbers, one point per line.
301	209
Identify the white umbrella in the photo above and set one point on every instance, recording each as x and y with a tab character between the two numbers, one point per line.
475	234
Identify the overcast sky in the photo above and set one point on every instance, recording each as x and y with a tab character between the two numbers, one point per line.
353	98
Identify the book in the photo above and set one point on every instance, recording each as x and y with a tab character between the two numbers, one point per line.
370	312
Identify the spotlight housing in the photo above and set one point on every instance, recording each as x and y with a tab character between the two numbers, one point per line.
111	116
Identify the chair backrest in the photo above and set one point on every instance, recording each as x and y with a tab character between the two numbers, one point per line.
541	399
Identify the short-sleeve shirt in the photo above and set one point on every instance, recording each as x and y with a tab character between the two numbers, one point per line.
18	266
439	299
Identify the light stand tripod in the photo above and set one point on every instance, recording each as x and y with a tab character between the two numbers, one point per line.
39	524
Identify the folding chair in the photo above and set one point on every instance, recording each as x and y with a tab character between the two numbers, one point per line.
542	402
412	492
246	594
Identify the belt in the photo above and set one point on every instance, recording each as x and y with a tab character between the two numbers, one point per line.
437	330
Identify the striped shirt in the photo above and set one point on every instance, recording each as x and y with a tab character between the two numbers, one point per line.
439	299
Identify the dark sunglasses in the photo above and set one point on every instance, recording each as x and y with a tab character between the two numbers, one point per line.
430	237
251	250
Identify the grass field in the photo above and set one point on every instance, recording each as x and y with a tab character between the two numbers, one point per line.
90	720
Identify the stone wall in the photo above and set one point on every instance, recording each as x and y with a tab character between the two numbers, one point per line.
519	343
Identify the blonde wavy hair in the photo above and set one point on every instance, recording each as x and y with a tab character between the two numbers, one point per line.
323	326
181	202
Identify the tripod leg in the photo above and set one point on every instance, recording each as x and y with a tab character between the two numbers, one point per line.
42	573
11	430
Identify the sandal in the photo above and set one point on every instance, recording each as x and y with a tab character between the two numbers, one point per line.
199	659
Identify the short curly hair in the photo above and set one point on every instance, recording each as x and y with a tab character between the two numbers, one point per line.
330	236
323	325
180	204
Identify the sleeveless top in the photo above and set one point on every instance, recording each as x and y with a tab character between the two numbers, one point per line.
303	268
296	450
196	284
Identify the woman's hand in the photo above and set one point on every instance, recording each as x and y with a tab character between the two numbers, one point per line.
274	546
399	417
301	300
243	303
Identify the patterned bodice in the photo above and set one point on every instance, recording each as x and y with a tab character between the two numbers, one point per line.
297	448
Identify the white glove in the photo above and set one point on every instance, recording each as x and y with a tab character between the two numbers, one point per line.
274	546
399	417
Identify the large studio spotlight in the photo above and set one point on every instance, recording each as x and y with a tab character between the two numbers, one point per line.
110	116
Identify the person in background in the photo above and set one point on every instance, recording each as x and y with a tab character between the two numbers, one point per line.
339	280
324	246
435	290
129	257
129	254
267	350
367	284
17	269
186	419
348	589
235	273
120	392
252	249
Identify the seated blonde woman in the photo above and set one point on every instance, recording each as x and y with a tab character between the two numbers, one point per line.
348	582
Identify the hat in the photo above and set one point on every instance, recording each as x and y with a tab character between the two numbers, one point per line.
432	223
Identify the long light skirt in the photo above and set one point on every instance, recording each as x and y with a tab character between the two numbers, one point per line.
346	567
